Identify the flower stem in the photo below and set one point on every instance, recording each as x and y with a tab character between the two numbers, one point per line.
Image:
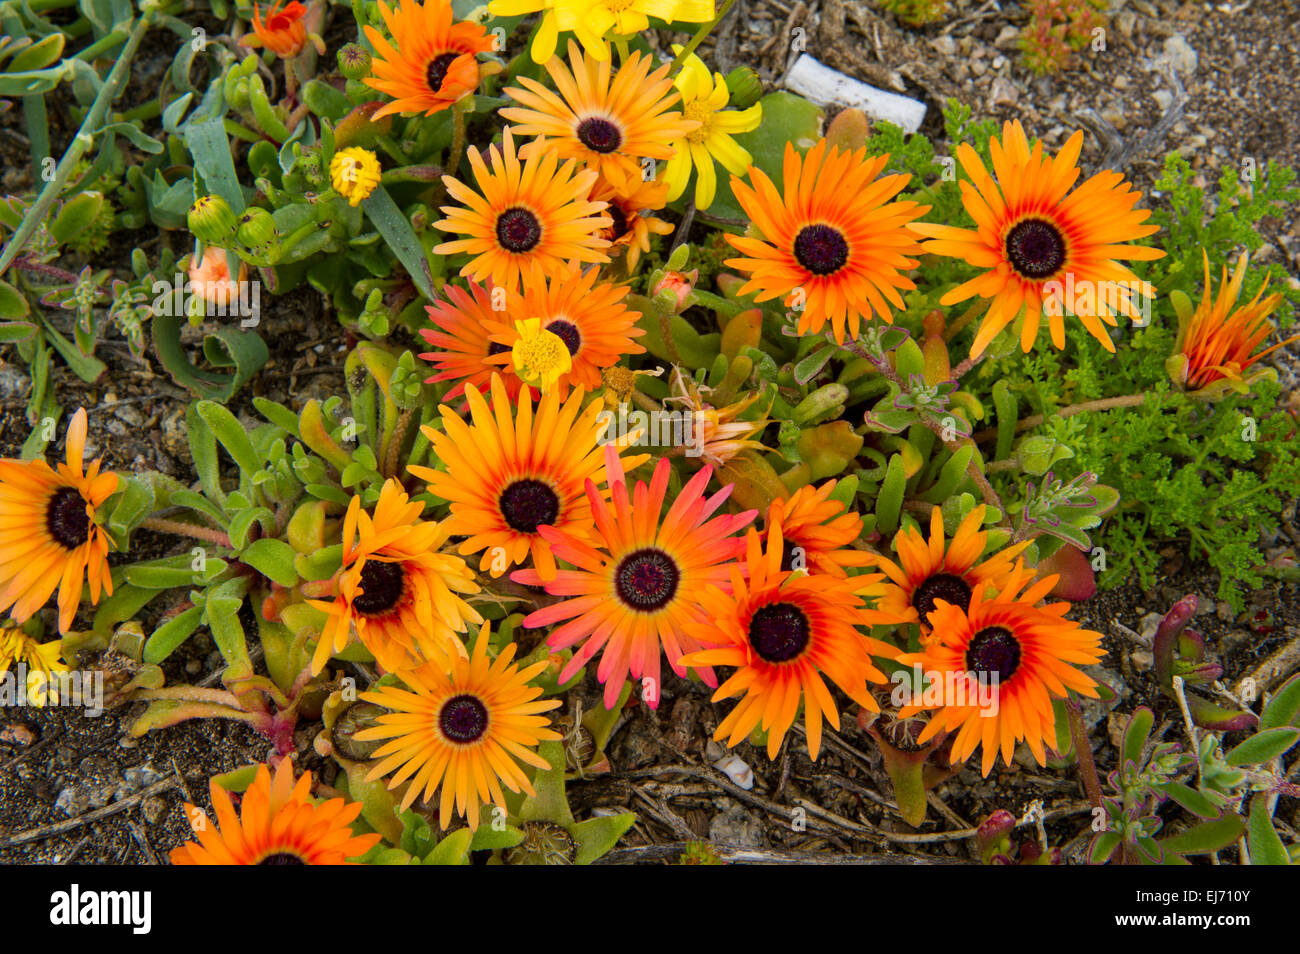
1083	753
180	528
83	140
705	29
1101	404
457	148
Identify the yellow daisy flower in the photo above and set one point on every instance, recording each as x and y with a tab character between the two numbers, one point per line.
40	659
704	99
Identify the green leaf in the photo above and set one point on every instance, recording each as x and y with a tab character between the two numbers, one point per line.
13	305
221	613
226	428
169	637
168	572
1283	707
243	521
453	849
1262	839
135	502
1207	837
126	601
272	558
1004	403
325	101
397	232
1191	799
487	838
1103	846
32	82
139	138
549	804
277	414
597	836
889	503
210	147
44	52
12	332
1263	747
1135	735
203	451
237	780
225	347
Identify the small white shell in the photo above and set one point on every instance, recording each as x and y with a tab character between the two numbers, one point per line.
736	769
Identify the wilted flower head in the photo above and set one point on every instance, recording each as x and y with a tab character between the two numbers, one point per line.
282	32
354	174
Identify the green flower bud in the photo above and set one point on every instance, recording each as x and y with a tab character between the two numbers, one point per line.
258	235
354	61
212	220
256	227
745	87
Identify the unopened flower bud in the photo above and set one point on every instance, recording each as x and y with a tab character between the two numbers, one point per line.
354	61
212	220
745	87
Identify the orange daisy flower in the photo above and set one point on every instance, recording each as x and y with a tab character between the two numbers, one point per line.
509	475
1002	660
929	572
611	124
783	631
636	589
465	729
472	341
282	32
632	226
820	528
278	824
1217	342
529	221
395	589
1045	251
435	64
589	316
832	243
48	535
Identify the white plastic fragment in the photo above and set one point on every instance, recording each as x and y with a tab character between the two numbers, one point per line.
736	769
827	87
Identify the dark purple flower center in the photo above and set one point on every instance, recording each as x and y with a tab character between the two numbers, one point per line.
942	586
993	650
382	585
282	858
1035	248
496	347
647	579
518	230
463	719
821	249
437	71
66	519
619	228
568	333
527	504
599	135
779	632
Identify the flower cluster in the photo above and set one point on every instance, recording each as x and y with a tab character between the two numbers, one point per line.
689	393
